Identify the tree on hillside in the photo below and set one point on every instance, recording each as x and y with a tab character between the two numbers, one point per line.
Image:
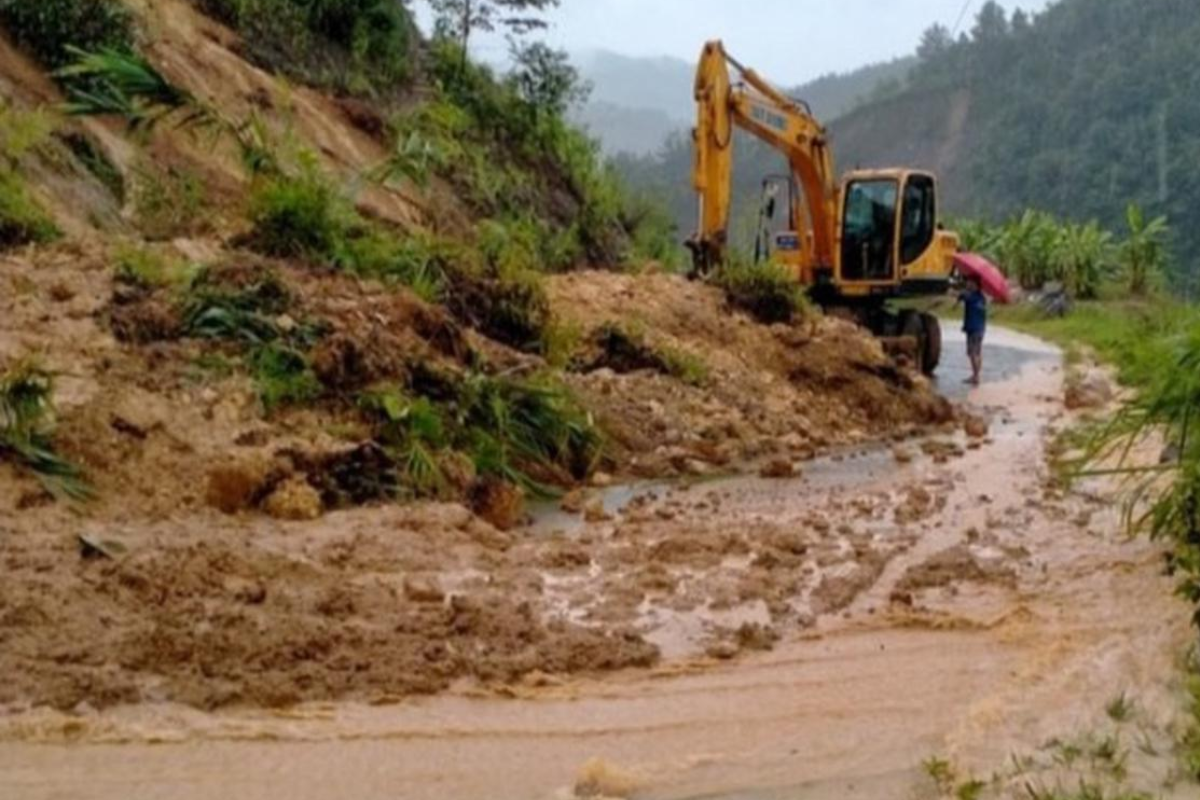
459	20
935	41
546	78
992	23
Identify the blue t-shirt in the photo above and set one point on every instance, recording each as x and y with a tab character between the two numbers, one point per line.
975	316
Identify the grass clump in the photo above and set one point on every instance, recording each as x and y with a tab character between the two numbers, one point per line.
625	348
26	430
299	217
303	216
528	432
767	291
167	203
22	220
149	269
283	375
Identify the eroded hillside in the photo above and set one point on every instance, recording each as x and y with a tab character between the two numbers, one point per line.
256	301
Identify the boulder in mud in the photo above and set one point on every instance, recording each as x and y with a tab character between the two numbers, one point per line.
1092	390
500	503
238	486
424	590
976	427
294	500
778	469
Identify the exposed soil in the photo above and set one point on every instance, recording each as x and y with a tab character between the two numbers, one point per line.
818	636
770	391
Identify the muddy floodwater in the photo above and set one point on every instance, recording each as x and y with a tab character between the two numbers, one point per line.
998	615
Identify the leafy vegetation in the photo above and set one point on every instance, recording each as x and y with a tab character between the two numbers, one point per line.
123	84
767	291
22	220
167	203
148	269
527	432
1035	249
48	28
359	46
26	429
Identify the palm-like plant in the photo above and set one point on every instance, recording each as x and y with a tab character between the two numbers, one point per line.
26	410
1082	255
1026	249
122	84
1143	254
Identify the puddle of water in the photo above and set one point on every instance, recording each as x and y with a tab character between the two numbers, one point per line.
1006	354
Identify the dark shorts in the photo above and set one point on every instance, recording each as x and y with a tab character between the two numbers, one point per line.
974	345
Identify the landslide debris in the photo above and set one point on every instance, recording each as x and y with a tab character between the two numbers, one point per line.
315	366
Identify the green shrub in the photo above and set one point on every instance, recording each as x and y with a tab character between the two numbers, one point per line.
522	431
767	291
417	262
298	217
655	235
47	27
22	131
283	376
22	220
361	46
150	269
167	203
26	430
244	312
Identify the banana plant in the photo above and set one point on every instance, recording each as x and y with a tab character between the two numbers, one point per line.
1143	254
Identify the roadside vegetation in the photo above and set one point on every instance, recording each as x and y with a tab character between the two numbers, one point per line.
1086	260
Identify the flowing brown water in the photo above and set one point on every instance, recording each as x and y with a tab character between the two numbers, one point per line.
974	669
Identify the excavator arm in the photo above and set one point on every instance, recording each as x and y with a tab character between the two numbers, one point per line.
752	104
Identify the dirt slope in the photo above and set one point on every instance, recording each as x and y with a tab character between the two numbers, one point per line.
209	602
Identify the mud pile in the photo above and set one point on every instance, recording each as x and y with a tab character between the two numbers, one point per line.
765	391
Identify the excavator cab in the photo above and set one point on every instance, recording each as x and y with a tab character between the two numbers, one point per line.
889	234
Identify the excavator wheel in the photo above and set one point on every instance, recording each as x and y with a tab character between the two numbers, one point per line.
913	326
931	344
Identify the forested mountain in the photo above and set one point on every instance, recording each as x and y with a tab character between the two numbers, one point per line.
1078	110
636	103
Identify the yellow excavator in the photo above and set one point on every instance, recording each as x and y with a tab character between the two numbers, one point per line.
855	245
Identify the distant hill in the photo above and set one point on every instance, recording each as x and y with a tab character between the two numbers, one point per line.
662	169
637	102
1079	110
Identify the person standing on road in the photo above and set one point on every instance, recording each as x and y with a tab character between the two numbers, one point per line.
975	313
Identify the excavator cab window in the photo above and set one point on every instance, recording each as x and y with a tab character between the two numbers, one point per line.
869	230
919	218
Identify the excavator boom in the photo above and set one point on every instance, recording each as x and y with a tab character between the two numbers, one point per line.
786	124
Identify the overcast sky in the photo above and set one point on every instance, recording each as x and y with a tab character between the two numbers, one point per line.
791	41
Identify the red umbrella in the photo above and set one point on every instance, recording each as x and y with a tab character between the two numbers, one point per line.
991	279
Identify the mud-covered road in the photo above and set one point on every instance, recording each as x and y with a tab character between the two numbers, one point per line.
978	615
